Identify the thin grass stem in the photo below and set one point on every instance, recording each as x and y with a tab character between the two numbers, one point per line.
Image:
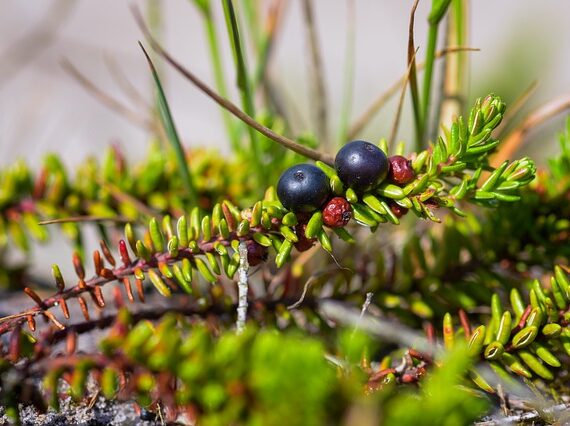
377	104
106	99
154	19
316	72
227	104
349	62
243	82
428	79
396	123
219	77
272	26
172	133
453	87
414	79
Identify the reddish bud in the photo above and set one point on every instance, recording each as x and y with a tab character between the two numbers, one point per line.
128	289
78	265
304	243
256	253
84	308
398	210
337	213
97	262
401	171
64	308
140	289
124	253
31	322
107	253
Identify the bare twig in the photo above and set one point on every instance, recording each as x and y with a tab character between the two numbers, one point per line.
226	104
384	97
124	84
516	138
396	123
517	105
366	304
316	72
105	98
125	197
116	219
242	287
349	65
414	79
272	26
306	287
455	71
42	35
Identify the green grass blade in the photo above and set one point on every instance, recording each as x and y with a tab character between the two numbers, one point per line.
438	10
243	81
428	77
453	94
172	134
154	18
219	78
349	61
414	79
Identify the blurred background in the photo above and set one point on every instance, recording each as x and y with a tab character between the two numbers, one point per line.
44	109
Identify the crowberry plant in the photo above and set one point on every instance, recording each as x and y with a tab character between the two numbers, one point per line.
277	289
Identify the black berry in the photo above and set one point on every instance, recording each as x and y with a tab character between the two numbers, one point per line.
401	171
361	165
303	188
337	212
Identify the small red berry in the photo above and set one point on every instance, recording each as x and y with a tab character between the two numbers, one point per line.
337	212
256	253
304	243
401	171
398	210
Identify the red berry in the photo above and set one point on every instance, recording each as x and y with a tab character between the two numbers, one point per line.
337	212
401	171
256	253
398	210
304	243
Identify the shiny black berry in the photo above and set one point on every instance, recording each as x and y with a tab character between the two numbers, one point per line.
361	165
303	188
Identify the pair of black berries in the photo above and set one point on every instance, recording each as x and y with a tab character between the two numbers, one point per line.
360	165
